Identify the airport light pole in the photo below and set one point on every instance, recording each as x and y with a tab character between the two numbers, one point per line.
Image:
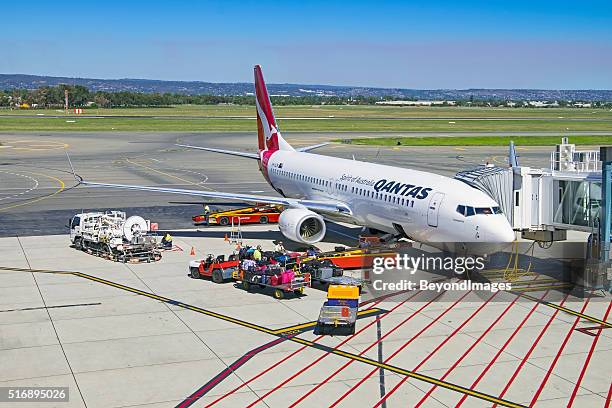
605	154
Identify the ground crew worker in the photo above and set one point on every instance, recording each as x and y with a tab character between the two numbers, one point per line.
257	253
167	241
206	213
279	247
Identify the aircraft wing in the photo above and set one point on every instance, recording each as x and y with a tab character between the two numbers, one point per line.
247	154
312	147
230	152
336	207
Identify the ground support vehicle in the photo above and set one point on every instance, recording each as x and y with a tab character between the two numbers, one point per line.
216	268
326	273
282	284
353	258
261	214
113	236
339	313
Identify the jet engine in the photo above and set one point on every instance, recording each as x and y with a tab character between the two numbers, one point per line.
301	225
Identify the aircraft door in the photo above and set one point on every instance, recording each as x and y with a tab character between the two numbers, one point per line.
434	208
331	188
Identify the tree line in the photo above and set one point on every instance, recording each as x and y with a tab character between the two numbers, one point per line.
80	96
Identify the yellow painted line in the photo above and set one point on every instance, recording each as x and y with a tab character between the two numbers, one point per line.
566	310
536	288
503	160
12	269
37	145
170	301
168	175
425	378
536	282
345	354
61	188
310	324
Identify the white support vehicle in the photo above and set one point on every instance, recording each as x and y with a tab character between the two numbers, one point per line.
113	236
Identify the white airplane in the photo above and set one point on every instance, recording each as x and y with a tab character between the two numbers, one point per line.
420	206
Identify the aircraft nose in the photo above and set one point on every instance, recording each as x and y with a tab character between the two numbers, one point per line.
501	231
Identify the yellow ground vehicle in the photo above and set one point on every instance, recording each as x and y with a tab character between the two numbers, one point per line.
260	214
339	313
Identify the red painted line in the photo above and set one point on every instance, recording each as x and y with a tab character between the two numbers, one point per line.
340	344
588	330
554	362
588	359
396	352
383	297
503	347
199	393
332	375
484	333
533	346
300	350
260	374
609	397
438	347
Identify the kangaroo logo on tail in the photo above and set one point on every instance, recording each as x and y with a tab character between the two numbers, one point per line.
268	135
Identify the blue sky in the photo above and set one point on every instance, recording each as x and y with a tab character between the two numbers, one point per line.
426	45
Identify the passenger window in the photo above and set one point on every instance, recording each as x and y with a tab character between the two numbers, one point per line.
461	209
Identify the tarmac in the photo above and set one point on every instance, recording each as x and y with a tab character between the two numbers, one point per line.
148	335
37	195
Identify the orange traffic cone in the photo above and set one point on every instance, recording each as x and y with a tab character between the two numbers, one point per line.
226	238
192	253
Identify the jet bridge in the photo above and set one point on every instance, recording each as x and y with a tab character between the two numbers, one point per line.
544	203
565	196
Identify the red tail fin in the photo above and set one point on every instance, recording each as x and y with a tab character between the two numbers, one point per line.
269	136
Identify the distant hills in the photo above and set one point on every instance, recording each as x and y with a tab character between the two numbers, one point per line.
22	81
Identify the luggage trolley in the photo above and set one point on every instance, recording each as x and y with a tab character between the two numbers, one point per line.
285	282
339	313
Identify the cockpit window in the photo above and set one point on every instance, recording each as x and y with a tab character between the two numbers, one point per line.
468	211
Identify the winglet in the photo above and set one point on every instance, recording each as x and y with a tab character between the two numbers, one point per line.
512	158
78	178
